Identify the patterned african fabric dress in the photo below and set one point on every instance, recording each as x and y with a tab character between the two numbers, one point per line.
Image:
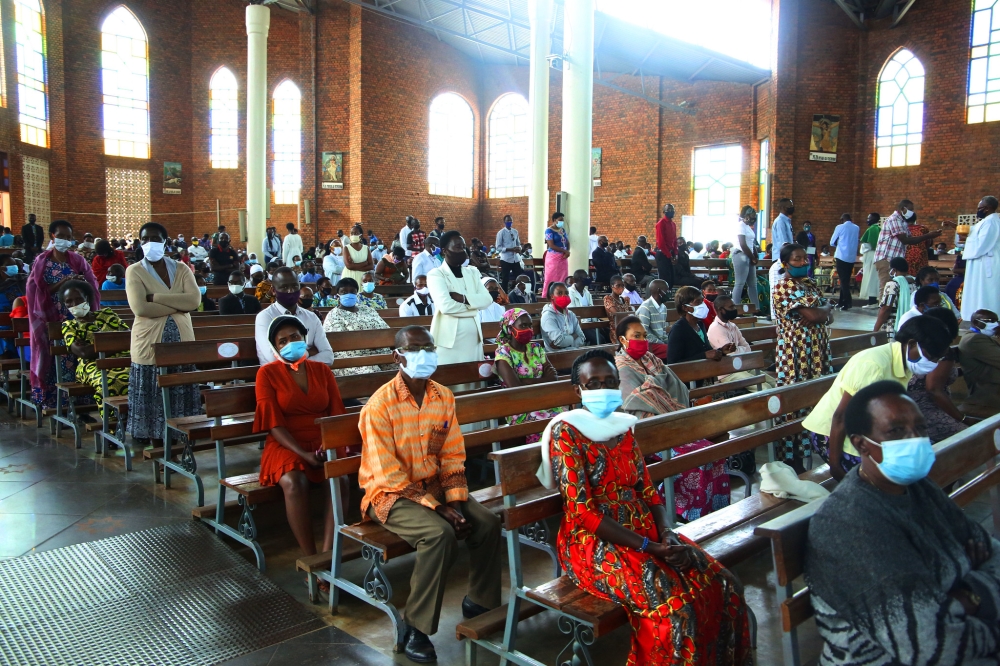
803	350
916	255
695	616
375	301
77	331
529	364
45	395
339	320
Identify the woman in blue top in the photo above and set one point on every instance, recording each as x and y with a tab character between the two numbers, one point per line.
556	252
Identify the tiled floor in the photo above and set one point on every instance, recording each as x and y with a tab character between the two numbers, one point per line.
52	495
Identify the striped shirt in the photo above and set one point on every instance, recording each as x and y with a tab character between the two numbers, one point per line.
410	452
654	320
890	247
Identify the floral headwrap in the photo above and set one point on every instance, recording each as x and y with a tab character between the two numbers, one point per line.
507	324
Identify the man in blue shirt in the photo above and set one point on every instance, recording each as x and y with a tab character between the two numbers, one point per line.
845	239
781	230
7	240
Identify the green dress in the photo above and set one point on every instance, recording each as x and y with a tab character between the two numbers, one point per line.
76	331
529	364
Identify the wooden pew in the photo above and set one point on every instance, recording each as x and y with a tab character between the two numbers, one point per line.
8	365
955	457
24	401
110	348
725	534
67	390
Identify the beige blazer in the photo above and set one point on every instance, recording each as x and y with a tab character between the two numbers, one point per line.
447	311
151	317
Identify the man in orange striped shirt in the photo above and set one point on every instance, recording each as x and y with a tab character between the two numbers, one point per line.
413	474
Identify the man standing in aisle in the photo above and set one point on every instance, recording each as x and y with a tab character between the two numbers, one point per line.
272	246
426	261
845	239
438	229
982	262
893	239
34	238
292	246
781	230
666	244
509	246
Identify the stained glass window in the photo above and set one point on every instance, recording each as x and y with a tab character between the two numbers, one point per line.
717	180
224	120
509	147
287	137
899	124
32	92
764	194
984	62
452	134
125	65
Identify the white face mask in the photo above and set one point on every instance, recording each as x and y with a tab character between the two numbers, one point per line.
908	214
62	245
355	239
113	279
338	251
80	311
990	328
700	311
922	366
236	289
152	251
423	292
420	365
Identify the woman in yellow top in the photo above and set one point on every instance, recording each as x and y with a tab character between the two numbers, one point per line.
161	292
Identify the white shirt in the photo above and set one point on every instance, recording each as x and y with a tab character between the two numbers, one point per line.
333	267
907	316
578	300
721	333
409	307
620	254
291	247
315	335
593	244
634	297
696	255
377	254
747	232
493	313
423	264
404	237
197	253
271	247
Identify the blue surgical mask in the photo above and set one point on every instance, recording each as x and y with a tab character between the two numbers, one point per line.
421	364
203	289
560	224
798	271
508	224
293	351
12	269
932	284
436	252
298	263
905	461
368	287
601	402
348	300
381	247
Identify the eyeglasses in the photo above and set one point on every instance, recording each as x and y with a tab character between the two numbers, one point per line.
430	349
595	384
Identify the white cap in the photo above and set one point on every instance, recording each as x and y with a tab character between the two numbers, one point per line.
256	268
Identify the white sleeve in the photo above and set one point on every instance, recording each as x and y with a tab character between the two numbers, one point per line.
264	352
317	338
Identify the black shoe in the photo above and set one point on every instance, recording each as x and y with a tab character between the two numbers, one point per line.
471	609
417	647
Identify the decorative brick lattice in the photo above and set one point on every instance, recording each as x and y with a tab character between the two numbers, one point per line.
36	190
129	204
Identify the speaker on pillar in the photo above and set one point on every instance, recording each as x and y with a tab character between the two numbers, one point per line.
562	202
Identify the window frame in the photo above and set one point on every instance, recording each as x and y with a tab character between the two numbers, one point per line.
36	131
229	160
983	104
453	184
113	145
285	195
899	149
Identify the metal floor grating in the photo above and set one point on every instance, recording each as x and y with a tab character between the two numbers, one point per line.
173	595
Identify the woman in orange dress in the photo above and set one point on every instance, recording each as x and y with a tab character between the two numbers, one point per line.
292	392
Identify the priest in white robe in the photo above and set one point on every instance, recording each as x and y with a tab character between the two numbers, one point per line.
982	262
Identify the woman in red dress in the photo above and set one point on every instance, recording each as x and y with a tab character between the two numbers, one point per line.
615	541
292	392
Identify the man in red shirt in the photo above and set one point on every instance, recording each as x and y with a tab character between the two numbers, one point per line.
666	244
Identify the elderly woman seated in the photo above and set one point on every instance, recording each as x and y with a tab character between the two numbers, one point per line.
650	388
351	315
521	361
78	335
368	296
615	540
292	392
924	587
560	327
495	310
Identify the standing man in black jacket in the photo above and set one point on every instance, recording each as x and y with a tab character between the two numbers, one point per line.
641	266
34	238
605	264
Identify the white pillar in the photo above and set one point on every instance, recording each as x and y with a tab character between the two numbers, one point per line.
258	22
540	16
577	124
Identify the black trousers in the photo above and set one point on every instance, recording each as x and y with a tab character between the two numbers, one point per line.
665	268
844	273
506	271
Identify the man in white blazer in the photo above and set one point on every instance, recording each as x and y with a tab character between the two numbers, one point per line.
458	294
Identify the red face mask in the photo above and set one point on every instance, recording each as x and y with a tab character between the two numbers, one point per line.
637	348
562	302
523	335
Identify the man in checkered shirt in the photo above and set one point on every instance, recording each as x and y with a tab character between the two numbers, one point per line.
894	238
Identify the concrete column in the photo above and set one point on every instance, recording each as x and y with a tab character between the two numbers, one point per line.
258	21
577	124
540	16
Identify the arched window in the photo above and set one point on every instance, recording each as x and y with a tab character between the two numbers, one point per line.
125	73
223	119
32	91
984	71
899	125
509	147
452	133
287	127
